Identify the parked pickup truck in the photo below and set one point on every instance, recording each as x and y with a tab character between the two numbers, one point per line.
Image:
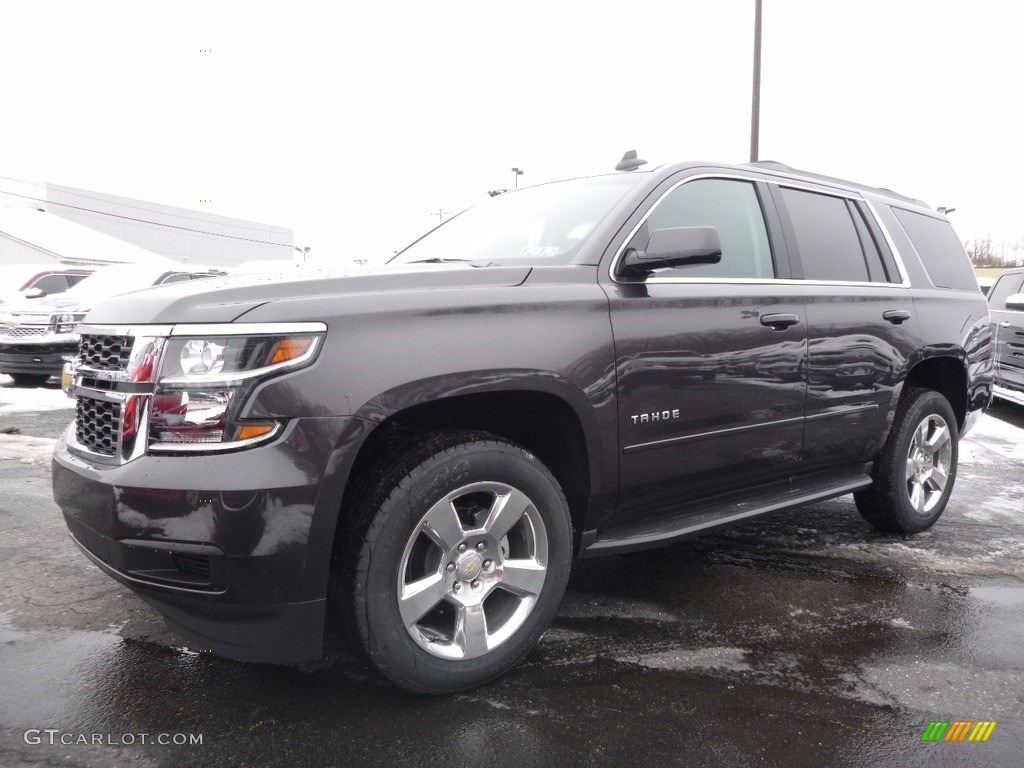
576	369
1006	305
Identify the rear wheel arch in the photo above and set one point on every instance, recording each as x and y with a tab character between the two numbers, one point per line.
946	375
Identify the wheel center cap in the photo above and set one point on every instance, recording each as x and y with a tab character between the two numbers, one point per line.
469	566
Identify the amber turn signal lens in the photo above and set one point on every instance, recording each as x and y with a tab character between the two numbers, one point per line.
289	349
249	431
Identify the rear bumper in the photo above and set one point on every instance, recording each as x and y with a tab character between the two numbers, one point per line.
234	549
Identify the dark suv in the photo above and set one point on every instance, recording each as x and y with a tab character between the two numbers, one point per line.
580	368
1006	305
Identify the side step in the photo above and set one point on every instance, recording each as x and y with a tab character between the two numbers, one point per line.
724	511
1010	395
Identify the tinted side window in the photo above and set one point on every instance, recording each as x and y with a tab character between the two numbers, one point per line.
1005	286
940	250
826	237
52	283
734	209
872	256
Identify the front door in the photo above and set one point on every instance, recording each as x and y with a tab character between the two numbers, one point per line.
711	359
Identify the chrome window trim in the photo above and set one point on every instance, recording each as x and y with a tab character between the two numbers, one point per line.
841	193
900	265
643	219
756	281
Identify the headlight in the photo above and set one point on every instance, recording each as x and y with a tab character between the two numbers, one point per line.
204	381
67	323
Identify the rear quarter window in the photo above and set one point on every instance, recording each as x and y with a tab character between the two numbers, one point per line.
940	250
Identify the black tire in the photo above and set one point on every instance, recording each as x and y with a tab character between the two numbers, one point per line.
29	379
916	470
403	513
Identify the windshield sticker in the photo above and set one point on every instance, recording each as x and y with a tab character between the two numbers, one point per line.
541	251
581	230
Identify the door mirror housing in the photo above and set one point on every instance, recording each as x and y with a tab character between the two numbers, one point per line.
674	247
1015	303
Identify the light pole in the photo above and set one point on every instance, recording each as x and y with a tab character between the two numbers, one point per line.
517	173
755	98
303	251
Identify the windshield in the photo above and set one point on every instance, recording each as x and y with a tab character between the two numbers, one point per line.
543	225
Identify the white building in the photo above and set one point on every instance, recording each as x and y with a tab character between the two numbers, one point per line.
47	223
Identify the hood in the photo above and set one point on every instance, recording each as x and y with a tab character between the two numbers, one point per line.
224	299
49	305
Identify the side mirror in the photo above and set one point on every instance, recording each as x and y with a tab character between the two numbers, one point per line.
675	247
1015	303
34	293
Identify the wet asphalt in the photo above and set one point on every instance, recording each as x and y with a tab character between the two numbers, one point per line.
800	639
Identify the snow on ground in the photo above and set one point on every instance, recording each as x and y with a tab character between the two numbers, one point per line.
26	449
23	399
992	441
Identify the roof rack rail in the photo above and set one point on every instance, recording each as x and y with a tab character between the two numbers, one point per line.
773	165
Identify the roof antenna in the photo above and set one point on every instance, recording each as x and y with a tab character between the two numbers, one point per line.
629	162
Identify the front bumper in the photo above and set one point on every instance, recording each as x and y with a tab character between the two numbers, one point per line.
233	549
36	358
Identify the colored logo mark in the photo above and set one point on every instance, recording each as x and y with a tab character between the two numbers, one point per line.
958	730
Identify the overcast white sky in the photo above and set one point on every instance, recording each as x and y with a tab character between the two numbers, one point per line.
351	123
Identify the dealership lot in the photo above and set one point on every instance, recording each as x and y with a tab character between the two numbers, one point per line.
803	638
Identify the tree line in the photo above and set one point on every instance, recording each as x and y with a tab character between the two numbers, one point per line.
985	253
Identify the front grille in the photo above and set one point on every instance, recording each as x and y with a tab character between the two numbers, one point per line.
97	424
105	353
24	332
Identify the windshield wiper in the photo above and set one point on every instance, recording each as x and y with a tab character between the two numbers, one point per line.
471	262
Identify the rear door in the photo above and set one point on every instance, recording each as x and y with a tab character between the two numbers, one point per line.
1008	331
710	358
861	325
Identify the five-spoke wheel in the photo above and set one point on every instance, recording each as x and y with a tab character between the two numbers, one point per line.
914	473
460	555
472	570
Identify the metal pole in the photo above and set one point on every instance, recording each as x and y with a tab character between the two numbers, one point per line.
755	100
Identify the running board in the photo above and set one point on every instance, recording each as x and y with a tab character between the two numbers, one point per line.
1011	395
720	512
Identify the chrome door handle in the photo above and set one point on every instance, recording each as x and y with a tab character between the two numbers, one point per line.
779	322
896	316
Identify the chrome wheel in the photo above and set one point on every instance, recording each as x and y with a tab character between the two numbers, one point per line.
928	463
472	570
